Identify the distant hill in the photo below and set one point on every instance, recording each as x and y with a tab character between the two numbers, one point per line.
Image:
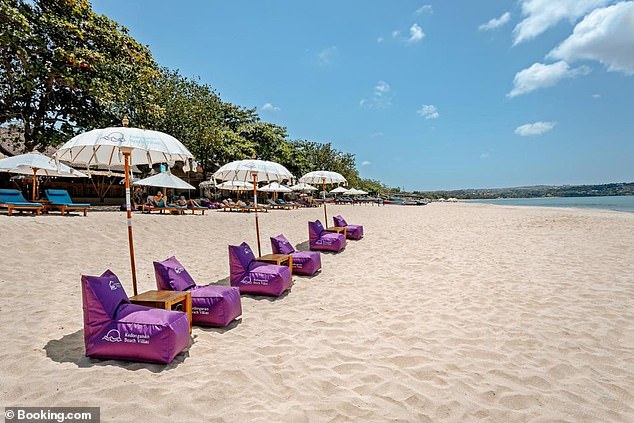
624	188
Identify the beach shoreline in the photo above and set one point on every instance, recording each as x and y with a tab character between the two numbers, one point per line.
445	312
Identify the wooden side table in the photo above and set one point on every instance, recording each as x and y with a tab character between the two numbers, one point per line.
278	259
167	300
339	230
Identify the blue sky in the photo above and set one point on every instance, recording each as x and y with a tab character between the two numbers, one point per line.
427	94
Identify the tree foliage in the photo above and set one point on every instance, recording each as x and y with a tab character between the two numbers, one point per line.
65	69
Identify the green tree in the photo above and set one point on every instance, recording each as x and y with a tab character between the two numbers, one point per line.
64	69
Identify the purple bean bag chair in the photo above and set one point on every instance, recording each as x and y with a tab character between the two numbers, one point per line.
352	231
304	262
320	239
253	277
212	305
116	329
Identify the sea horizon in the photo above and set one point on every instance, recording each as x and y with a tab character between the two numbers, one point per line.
623	203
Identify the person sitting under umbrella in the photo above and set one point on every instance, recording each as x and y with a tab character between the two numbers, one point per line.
158	200
182	202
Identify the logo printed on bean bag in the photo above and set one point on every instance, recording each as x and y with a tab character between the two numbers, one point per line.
113	335
114	285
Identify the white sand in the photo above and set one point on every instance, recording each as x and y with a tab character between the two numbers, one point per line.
448	312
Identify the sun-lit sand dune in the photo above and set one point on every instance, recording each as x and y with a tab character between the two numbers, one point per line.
447	312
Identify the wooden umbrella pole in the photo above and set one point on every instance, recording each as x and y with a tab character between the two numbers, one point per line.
34	183
255	202
323	186
128	207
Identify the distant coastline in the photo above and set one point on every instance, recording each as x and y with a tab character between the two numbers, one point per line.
537	191
623	203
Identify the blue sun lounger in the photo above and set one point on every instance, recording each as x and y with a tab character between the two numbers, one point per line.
12	199
60	200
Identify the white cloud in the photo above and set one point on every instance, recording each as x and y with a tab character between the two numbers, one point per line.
327	55
495	22
376	134
428	111
424	9
539	75
415	34
541	15
270	107
605	35
382	88
395	34
596	95
537	128
366	163
381	97
484	155
379	40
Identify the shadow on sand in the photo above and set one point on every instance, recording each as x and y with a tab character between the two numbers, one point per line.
70	349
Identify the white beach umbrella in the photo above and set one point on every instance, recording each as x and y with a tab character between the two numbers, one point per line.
340	190
243	170
235	186
275	187
324	177
164	180
302	186
35	164
123	146
253	170
207	184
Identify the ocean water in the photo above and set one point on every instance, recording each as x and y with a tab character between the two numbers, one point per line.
619	203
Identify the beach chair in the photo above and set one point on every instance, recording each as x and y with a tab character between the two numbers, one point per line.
286	204
324	240
118	330
59	199
272	204
212	305
305	263
253	277
352	231
12	199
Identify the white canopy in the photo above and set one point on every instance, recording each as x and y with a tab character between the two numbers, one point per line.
38	164
275	187
104	146
164	180
235	186
242	170
339	190
303	187
323	176
354	191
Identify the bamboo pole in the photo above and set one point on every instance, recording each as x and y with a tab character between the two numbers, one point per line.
34	184
323	185
126	155
255	202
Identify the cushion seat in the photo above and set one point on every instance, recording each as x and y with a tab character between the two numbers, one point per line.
212	305
257	278
305	263
320	239
116	329
352	231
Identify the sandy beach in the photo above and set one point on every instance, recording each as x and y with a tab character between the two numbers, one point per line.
447	312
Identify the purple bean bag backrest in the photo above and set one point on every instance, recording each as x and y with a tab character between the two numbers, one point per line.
240	258
340	221
315	230
172	276
102	296
281	245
